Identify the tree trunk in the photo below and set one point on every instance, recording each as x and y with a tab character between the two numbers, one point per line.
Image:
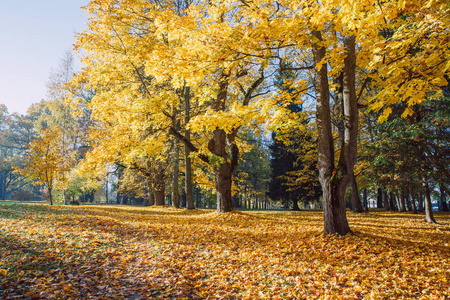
50	196
187	152
151	199
365	203
160	188
106	189
379	198
428	207
443	201
295	205
175	176
64	197
354	196
224	164
385	200
420	204
408	201
413	202
334	180
222	176
392	201
402	201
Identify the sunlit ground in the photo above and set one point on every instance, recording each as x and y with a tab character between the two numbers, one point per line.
121	252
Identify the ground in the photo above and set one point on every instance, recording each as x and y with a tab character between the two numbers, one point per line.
121	252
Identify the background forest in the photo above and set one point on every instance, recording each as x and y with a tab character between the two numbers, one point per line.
225	105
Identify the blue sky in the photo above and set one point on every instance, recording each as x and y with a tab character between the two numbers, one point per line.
34	35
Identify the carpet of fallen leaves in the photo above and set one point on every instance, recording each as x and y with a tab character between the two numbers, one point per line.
120	252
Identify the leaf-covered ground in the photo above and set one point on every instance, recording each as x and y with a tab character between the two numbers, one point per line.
119	252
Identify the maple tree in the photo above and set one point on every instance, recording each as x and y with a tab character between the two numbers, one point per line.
142	56
43	162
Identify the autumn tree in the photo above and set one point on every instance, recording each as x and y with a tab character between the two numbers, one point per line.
139	54
43	162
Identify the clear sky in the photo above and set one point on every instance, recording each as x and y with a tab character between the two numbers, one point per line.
34	35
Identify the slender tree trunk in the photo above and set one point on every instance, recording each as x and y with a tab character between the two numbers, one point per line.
175	176
413	202
420	204
187	151
334	180
106	189
50	196
160	188
428	207
402	201
64	197
408	201
444	202
365	203
354	196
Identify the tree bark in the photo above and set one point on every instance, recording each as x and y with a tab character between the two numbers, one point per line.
334	180
224	163
428	207
413	201
402	201
160	188
379	198
420	204
295	205
187	152
386	200
354	196
50	196
392	201
222	171
443	201
175	176
365	203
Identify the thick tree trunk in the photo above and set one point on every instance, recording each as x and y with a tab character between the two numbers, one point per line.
159	197
379	198
222	176
175	176
385	200
160	188
354	196
428	207
334	180
224	163
151	199
187	152
295	205
392	201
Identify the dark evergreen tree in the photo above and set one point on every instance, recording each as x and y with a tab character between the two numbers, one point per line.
286	160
